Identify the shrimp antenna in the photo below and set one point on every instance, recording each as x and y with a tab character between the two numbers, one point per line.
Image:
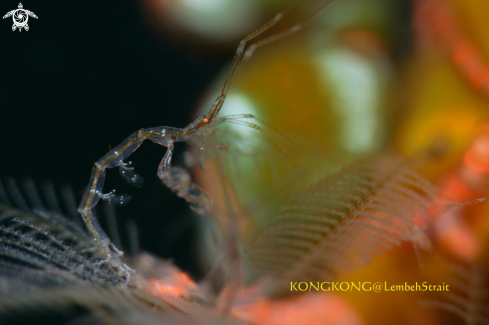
242	57
238	120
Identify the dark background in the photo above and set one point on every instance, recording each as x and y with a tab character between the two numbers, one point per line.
83	78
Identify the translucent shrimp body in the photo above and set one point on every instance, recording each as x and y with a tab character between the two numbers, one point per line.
176	178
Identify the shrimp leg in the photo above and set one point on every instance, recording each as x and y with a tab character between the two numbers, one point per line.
162	135
179	181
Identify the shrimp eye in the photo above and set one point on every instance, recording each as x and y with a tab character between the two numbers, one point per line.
206	120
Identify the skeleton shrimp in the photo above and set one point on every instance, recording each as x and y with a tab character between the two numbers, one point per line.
176	178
